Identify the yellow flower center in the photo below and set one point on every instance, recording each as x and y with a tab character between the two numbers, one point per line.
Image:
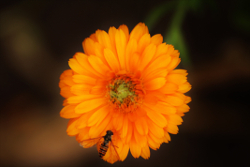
123	93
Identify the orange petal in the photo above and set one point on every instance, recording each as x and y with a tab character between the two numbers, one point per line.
121	42
66	73
112	32
166	138
66	78
141	126
140	139
171	128
130	50
95	131
155	83
183	108
65	102
112	60
156	130
82	59
180	71
151	99
124	129
99	52
175	119
134	61
69	112
160	73
124	152
169	88
98	90
140	112
181	96
79	89
177	79
139	30
171	50
188	99
129	133
93	37
184	87
90	105
147	56
145	152
158	63
135	149
156	138
174	100
152	144
155	116
76	67
81	98
124	28
162	49
132	116
98	65
165	108
83	134
118	121
159	95
83	120
98	116
66	92
143	42
88	46
103	39
156	39
71	128
174	63
83	79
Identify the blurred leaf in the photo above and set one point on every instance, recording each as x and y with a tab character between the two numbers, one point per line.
199	6
174	35
240	15
242	21
195	5
176	39
158	12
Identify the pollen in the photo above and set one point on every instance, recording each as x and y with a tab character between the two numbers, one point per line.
124	94
122	91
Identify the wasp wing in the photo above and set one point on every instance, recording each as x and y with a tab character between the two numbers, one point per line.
98	144
115	151
90	142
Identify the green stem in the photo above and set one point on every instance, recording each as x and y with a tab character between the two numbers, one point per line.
174	34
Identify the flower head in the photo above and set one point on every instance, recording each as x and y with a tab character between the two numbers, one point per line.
126	83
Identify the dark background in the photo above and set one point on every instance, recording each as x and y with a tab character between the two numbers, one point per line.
37	39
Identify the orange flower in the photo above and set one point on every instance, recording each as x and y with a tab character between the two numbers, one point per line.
125	83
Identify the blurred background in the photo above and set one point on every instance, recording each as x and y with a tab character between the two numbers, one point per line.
38	37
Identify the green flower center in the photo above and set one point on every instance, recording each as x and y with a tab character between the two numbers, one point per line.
122	92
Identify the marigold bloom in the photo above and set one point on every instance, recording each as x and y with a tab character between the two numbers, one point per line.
126	83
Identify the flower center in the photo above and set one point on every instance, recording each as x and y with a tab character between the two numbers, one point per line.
123	93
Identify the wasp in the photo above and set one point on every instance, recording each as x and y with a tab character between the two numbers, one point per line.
103	144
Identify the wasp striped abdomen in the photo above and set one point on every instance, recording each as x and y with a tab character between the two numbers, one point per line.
105	144
103	150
